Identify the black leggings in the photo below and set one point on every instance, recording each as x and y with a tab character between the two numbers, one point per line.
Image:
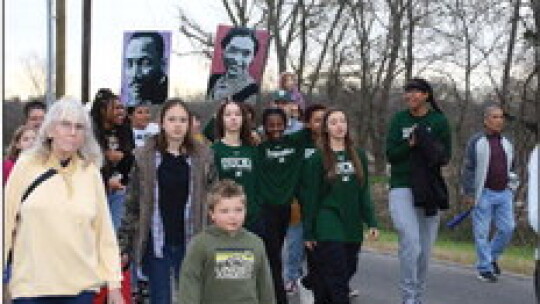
334	265
276	219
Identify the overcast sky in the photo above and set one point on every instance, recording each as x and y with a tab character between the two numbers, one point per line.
26	34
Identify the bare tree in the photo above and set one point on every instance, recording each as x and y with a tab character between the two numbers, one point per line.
510	52
535	5
465	32
393	45
295	27
35	71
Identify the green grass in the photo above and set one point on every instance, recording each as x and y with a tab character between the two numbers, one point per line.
379	179
515	259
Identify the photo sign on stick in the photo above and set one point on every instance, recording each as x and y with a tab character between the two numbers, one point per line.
238	64
145	67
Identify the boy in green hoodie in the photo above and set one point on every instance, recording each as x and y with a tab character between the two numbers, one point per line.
226	264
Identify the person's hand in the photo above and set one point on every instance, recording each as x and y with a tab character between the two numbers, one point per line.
256	137
115	296
124	258
469	201
114	156
412	140
115	184
310	244
373	234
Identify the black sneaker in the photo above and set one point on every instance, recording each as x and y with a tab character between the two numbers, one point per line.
487	277
496	269
306	282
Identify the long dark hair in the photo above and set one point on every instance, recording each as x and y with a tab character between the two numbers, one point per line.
311	110
329	158
162	144
102	101
245	131
423	86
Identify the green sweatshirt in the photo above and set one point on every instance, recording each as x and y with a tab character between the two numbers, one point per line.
279	165
337	210
397	145
225	269
239	165
309	147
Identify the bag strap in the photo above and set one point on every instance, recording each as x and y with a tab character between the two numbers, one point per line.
40	179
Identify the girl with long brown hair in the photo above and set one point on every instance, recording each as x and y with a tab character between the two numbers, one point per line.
338	204
165	206
235	156
23	139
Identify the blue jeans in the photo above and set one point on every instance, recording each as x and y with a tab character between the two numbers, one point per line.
160	272
116	207
496	205
85	297
294	252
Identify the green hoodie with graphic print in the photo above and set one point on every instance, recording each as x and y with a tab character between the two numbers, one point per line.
239	164
279	167
220	268
337	210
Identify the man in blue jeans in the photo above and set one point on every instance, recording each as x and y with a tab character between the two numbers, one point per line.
487	185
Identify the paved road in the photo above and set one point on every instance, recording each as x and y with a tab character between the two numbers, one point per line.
447	284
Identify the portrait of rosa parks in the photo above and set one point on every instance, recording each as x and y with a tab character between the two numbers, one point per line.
237	64
145	67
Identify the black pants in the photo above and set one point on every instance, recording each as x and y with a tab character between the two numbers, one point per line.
276	219
257	227
334	265
307	280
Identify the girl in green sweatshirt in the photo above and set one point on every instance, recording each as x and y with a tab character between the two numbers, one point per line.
279	160
294	241
338	204
416	231
235	157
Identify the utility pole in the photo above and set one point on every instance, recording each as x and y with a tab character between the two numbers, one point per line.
50	53
60	48
86	50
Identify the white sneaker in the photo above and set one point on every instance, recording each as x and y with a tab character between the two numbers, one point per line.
305	295
291	287
353	293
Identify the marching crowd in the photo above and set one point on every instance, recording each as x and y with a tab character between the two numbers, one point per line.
110	200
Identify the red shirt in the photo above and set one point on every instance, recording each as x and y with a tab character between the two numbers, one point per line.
6	169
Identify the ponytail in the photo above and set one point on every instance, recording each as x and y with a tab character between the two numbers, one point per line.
433	104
